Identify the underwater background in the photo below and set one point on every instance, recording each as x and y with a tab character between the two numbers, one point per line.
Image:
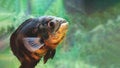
92	41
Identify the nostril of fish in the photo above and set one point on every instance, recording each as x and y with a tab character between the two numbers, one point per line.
64	21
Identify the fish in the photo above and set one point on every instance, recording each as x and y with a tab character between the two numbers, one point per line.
37	38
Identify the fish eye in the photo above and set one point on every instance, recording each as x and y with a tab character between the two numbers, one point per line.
51	24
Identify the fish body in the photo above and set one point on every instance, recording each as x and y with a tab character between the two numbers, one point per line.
36	38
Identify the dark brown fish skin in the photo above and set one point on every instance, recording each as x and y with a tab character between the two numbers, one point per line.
34	27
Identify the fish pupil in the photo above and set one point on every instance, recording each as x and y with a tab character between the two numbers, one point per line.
51	24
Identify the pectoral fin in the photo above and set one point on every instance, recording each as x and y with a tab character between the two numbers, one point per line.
32	43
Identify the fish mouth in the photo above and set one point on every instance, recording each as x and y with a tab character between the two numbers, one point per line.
61	26
61	31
